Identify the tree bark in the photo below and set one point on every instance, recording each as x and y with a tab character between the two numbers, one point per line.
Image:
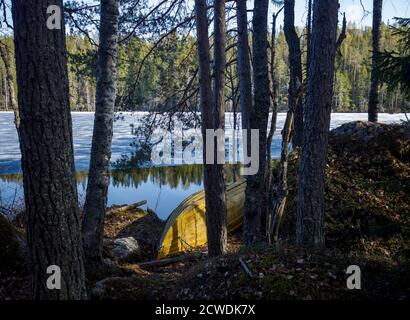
244	65
98	177
217	232
295	64
53	227
281	186
308	36
374	81
256	193
214	184
310	204
6	57
272	129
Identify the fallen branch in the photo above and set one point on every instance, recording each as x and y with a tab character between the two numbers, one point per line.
167	261
130	207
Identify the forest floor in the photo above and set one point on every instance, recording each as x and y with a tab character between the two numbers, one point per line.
367	224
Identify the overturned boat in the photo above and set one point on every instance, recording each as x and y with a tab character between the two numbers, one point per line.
185	228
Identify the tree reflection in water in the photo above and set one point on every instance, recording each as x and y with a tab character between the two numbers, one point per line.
163	187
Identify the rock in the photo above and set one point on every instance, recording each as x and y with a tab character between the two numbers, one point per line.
147	231
126	249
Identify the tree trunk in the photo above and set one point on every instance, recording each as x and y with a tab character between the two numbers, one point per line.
46	144
310	204
214	183
281	186
217	232
374	82
6	57
308	36
295	64
98	177
244	65
272	129
2	93
256	193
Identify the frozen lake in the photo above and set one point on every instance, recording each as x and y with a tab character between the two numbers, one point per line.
83	129
163	188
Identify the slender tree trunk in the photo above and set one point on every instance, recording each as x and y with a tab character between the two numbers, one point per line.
234	99
310	204
88	95
374	82
6	57
256	193
98	177
46	144
281	186
216	218
272	129
308	36
295	64
2	93
244	74
213	179
244	65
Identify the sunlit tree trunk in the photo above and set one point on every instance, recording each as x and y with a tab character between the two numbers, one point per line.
295	65
98	177
244	65
256	193
217	233
374	82
274	97
310	199
53	226
214	182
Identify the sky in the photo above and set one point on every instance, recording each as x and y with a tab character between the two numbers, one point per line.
354	11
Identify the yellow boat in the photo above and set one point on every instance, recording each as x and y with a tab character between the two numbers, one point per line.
186	226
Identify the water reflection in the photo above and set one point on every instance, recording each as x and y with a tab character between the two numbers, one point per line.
163	187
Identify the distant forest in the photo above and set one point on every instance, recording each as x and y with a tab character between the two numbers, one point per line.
163	76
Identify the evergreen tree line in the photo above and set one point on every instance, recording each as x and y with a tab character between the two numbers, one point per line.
164	74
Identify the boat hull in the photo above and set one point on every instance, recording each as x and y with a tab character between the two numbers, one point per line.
186	226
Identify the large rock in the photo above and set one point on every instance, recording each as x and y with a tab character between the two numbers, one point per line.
126	249
147	231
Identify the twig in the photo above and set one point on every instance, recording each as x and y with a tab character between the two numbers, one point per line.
245	267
